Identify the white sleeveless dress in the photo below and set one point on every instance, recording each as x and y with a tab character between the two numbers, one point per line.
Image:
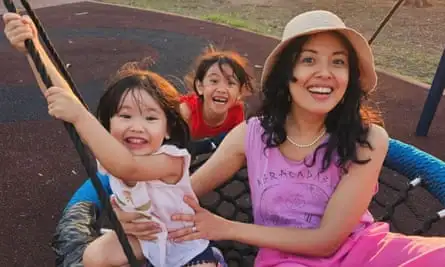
157	201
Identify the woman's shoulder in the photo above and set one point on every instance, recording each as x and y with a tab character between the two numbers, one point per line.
377	135
378	138
254	120
254	123
254	131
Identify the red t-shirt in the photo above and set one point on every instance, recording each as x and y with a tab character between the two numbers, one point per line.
199	129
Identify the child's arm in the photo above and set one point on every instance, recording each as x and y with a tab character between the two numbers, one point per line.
20	28
51	70
119	161
113	155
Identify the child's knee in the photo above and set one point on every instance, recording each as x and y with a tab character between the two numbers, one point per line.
94	256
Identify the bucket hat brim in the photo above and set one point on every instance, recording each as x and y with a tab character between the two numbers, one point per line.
325	21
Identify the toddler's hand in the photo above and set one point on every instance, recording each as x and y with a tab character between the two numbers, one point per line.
64	105
18	29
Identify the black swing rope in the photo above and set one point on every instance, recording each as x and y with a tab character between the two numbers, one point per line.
385	20
87	160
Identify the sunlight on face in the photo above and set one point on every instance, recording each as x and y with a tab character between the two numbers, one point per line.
140	123
322	74
220	89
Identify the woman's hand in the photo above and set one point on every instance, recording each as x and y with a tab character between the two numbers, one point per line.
206	225
143	230
64	105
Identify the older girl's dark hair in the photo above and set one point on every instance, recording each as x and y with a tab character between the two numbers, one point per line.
210	56
348	123
129	80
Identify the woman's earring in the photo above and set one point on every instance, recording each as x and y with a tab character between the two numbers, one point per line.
167	137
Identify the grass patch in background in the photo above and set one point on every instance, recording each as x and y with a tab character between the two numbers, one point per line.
410	44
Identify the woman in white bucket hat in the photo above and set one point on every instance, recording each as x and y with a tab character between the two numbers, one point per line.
313	154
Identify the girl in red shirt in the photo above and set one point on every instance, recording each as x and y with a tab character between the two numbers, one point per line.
219	80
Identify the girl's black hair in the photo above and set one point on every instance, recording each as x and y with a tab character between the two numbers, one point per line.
132	80
348	123
211	56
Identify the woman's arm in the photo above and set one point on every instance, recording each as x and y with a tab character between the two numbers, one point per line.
343	212
228	158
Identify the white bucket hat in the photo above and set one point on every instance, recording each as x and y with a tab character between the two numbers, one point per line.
321	21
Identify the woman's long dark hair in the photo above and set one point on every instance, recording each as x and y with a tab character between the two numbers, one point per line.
348	123
130	80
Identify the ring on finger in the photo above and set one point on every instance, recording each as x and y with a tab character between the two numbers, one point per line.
194	229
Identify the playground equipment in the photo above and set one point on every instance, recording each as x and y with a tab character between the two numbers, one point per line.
433	99
421	169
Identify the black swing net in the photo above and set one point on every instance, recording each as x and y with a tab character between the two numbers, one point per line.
411	179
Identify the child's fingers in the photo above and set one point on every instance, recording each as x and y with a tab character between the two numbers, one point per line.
55	100
54	90
8	16
13	24
19	30
51	94
48	93
52	111
26	19
20	38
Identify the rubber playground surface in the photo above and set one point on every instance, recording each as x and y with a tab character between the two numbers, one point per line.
39	168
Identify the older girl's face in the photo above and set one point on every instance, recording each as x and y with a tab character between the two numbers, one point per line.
322	74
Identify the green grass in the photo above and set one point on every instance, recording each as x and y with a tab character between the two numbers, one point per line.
226	19
202	9
237	21
401	49
416	64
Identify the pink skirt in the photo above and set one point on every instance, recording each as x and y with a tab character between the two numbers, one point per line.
373	246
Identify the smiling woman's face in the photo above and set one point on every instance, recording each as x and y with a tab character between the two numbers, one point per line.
321	73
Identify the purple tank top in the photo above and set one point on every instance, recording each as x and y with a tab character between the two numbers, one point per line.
286	192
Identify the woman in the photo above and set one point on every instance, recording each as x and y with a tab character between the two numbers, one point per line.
313	155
